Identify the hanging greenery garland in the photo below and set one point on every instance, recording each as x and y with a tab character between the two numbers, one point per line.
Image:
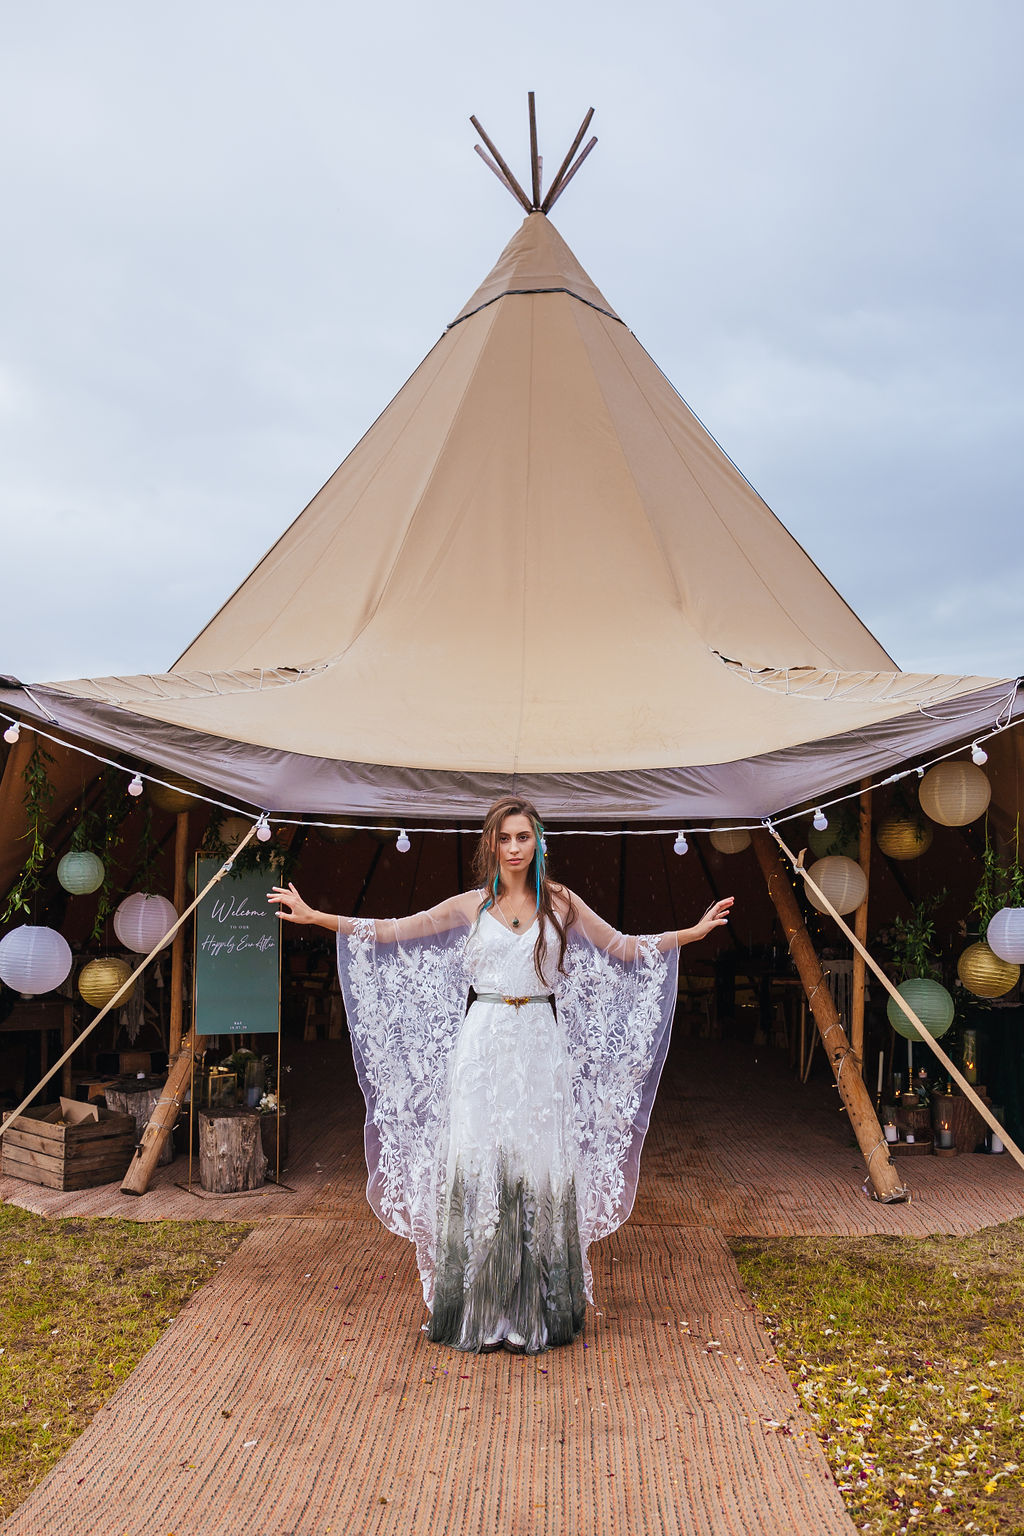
38	794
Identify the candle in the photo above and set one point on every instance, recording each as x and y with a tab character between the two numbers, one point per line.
891	1133
910	1138
944	1135
997	1145
881	1058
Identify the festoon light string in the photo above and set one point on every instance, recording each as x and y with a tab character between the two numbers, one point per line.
265	820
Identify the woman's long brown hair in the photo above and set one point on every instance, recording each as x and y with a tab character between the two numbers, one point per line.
487	873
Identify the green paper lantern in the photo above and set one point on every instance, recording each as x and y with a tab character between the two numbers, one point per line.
929	1000
80	872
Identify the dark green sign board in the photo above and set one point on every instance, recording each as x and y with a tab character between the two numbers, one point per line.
238	955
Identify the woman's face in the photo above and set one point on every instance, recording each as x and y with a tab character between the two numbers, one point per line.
516	844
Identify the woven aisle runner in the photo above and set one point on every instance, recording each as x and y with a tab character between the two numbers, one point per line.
309	1338
344	1419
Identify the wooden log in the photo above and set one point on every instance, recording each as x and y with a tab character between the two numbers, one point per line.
136	1180
863	1120
140	1102
231	1156
178	942
860	928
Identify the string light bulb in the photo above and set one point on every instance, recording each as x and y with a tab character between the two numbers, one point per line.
820	822
402	842
680	845
263	832
136	787
12	733
978	754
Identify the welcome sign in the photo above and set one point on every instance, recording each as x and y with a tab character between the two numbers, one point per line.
237	955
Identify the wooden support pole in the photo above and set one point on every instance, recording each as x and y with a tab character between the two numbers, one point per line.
178	944
517	190
552	197
863	1120
67	1040
161	1123
860	928
534	156
573	147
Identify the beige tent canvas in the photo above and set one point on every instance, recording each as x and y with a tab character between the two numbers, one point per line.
536	569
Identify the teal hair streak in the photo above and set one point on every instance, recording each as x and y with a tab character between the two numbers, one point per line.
539	863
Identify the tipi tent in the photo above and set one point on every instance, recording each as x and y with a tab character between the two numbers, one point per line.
538	568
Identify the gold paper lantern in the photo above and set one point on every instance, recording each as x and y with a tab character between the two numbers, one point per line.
984	974
726	839
177	797
100	979
903	837
954	794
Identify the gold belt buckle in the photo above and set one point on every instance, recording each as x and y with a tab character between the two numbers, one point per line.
515	1002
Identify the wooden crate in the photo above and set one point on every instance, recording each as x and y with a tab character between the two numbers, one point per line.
42	1150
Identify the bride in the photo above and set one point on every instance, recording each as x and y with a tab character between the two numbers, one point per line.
505	1139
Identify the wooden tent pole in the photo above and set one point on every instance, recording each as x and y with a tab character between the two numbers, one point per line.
534	157
178	946
552	197
863	1120
516	188
573	147
905	1008
860	927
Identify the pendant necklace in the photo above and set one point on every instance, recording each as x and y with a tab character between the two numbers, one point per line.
515	921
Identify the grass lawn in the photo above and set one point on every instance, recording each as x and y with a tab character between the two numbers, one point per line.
80	1304
908	1355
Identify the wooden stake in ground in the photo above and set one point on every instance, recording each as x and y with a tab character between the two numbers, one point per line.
863	1120
178	943
161	1123
860	926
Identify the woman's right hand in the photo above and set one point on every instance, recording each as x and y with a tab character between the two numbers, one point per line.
290	906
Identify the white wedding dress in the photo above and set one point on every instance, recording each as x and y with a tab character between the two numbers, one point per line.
504	1139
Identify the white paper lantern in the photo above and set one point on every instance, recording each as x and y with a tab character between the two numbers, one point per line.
232	829
141	921
984	974
954	794
842	880
34	959
728	839
1005	935
80	872
929	1000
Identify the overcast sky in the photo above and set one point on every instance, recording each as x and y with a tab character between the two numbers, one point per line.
233	230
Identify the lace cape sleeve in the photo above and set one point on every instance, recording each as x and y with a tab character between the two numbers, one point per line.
615	1003
405	987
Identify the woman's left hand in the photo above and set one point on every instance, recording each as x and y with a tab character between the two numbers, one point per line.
716	916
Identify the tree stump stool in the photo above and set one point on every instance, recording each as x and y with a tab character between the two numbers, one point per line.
231	1154
138	1098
